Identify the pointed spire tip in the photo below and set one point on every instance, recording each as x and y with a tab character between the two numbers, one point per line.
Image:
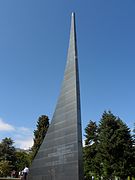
73	14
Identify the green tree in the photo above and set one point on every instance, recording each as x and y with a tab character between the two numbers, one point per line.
91	162
22	160
5	168
109	149
7	150
115	147
91	133
39	133
7	156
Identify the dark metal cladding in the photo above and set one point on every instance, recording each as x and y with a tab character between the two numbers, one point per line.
60	155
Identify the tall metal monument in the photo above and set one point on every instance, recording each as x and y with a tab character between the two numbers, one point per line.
60	155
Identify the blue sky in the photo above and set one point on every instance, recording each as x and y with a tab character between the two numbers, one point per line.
34	38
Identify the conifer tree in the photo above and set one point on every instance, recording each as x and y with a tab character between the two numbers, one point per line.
7	156
91	162
115	146
7	150
39	133
109	149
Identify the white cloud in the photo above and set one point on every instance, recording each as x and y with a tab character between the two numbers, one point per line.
24	129
22	136
83	142
5	126
24	143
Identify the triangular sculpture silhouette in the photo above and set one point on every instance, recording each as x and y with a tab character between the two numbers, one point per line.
60	155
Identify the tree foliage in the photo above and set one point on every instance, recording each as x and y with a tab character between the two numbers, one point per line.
7	157
7	150
39	133
91	165
10	159
5	168
109	149
22	160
